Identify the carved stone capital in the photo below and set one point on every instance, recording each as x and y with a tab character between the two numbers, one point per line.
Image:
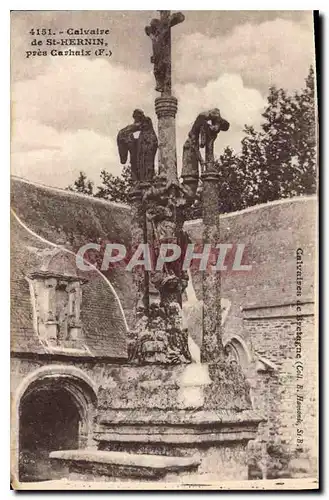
136	193
210	176
166	106
190	186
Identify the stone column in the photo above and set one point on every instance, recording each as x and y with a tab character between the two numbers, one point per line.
166	109
138	236
212	345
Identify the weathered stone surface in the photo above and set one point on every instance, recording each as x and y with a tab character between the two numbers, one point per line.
223	459
119	464
229	388
191	419
166	109
165	387
274	385
159	336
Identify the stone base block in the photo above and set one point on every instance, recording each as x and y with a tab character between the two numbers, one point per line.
193	386
98	465
217	440
221	461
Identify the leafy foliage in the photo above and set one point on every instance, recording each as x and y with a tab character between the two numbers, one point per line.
115	188
82	185
279	161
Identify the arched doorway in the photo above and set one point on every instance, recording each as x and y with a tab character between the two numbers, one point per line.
49	420
54	409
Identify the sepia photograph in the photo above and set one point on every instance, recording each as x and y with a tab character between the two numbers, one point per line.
163	245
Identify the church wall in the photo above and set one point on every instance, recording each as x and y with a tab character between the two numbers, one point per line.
285	394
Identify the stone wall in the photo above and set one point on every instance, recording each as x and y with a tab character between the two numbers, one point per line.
271	233
284	380
261	324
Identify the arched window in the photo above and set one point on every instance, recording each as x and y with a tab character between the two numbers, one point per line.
238	352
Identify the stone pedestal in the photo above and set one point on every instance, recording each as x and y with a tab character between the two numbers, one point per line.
198	411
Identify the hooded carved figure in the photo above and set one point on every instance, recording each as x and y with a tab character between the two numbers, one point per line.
206	123
142	150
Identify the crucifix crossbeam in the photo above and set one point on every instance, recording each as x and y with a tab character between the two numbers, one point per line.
159	30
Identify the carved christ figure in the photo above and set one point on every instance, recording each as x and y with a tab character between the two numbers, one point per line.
142	150
159	32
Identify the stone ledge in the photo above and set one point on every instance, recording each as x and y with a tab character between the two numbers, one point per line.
121	464
278	311
180	417
272	305
180	428
177	439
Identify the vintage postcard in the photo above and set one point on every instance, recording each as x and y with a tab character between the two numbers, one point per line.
163	250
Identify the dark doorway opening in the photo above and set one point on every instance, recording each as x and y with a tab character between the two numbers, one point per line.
49	421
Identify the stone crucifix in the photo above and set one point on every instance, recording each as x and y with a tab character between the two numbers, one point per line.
159	30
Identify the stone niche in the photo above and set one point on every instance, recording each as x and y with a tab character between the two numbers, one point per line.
56	293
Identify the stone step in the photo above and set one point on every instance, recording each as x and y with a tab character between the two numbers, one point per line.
90	464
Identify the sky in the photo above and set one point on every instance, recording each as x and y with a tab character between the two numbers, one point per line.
66	111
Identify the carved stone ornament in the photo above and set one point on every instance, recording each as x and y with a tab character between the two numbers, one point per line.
57	296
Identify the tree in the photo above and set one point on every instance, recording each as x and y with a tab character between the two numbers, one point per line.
279	161
231	181
82	185
115	188
277	141
305	138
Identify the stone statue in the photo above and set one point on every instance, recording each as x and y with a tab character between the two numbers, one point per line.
159	32
202	135
148	343
142	150
128	144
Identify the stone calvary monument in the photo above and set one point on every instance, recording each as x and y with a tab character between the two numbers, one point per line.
177	415
159	205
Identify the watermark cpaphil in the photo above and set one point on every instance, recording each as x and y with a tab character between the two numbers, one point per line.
221	257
